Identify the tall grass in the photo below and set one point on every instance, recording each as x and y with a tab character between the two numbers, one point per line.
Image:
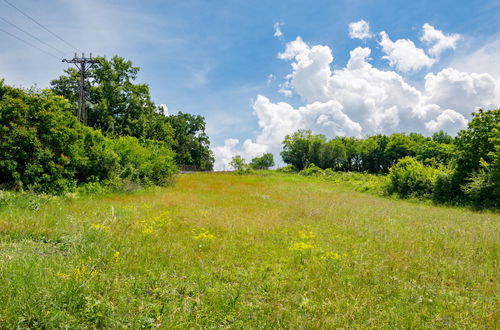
221	250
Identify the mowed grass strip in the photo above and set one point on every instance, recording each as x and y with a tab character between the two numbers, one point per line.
257	251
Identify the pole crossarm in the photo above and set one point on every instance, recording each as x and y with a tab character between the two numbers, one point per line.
83	64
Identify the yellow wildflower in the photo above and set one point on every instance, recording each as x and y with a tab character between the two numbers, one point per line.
205	235
299	246
99	226
116	257
305	235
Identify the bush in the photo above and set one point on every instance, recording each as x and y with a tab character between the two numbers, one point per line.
409	177
149	163
44	148
288	169
312	170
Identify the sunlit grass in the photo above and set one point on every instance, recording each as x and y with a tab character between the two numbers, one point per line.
221	250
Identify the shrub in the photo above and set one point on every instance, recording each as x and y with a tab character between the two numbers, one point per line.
240	166
288	169
263	163
149	163
409	177
44	148
312	170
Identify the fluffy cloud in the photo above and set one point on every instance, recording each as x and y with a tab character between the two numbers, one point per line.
438	40
403	54
461	91
360	30
360	100
293	48
449	121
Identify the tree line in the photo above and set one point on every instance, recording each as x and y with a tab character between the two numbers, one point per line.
464	169
128	139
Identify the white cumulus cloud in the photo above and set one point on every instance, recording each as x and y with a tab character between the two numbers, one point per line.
360	99
403	55
449	121
360	30
439	41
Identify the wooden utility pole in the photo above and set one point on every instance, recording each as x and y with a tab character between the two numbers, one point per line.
83	64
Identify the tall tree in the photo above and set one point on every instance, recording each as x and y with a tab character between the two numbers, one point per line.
118	105
191	143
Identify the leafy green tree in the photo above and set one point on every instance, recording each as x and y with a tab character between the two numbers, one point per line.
296	149
373	154
117	105
333	154
477	167
191	143
238	162
353	158
399	146
263	162
442	137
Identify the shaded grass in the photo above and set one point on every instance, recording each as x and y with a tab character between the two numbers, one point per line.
221	250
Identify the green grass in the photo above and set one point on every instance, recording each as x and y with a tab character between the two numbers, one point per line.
257	251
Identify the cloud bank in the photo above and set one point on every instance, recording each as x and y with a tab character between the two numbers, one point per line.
360	99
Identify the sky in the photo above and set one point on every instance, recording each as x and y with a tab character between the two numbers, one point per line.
259	70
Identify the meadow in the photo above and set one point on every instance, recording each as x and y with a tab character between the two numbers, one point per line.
268	250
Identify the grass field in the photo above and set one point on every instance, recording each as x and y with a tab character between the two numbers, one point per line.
257	251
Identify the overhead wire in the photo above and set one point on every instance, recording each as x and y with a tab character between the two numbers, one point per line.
32	36
29	44
39	24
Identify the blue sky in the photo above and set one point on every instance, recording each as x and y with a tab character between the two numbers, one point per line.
215	58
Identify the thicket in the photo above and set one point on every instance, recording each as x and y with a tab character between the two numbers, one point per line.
461	170
44	148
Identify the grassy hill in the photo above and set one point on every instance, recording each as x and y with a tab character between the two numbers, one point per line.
221	250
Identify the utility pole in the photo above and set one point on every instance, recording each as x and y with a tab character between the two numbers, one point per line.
83	64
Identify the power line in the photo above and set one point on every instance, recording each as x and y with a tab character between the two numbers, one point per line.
34	37
29	43
39	24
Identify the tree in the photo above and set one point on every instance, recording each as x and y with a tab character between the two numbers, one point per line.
117	105
477	164
373	155
191	143
399	146
296	149
333	154
237	162
263	162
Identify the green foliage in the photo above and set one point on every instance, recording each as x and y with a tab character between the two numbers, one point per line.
147	163
45	149
263	162
39	148
117	105
312	170
239	165
409	177
477	163
287	169
191	143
